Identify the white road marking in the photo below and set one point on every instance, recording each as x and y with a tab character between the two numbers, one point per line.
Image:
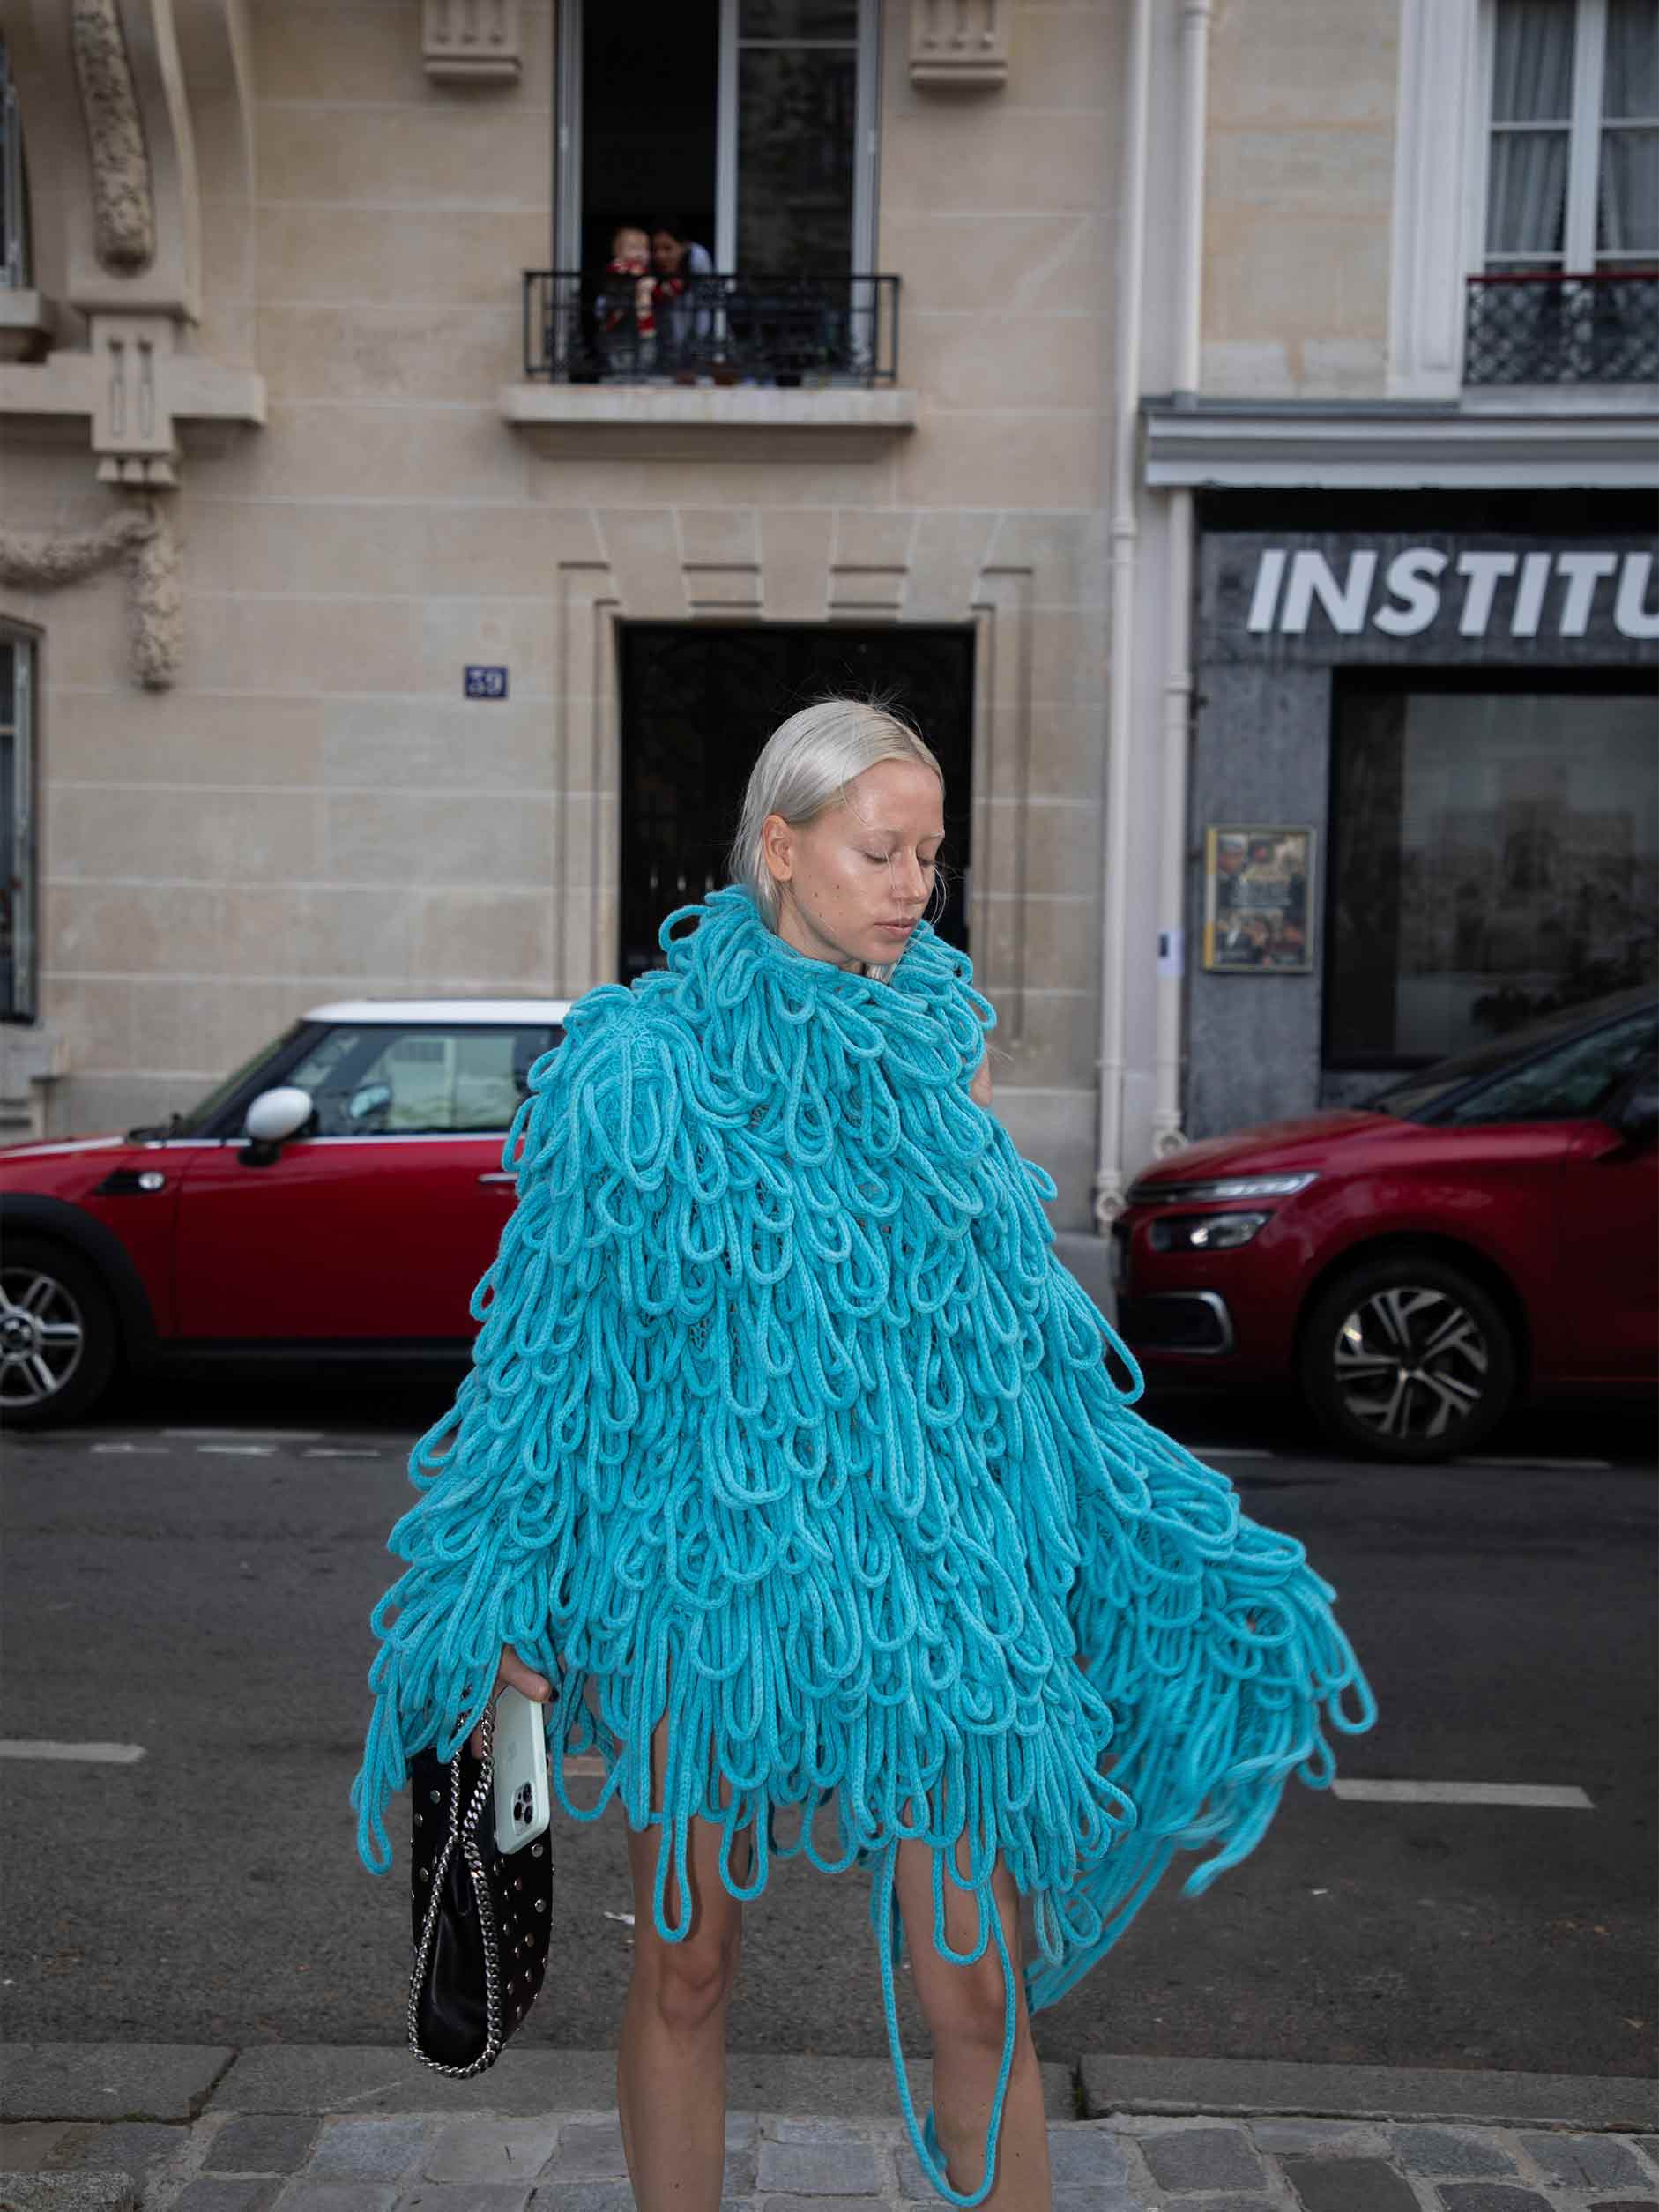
242	1451
271	1435
327	1451
1529	1459
95	1754
149	1451
1230	1451
1540	1796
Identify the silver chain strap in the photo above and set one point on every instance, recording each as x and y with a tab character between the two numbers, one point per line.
465	1833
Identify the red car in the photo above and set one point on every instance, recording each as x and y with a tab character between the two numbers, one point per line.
1484	1231
340	1195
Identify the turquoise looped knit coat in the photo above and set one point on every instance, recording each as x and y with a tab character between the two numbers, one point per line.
784	1419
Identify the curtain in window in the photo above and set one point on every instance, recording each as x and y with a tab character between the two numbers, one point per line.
1532	86
1627	183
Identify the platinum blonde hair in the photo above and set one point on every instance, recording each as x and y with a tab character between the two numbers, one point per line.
803	769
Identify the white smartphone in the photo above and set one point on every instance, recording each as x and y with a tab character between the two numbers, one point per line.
523	1798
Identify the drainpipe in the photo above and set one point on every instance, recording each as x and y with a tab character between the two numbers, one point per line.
1108	1190
1167	1136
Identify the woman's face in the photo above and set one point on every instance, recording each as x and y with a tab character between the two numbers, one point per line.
667	252
860	867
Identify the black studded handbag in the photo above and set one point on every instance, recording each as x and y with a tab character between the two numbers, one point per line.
480	1916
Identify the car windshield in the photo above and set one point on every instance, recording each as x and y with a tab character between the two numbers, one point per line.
198	1116
1420	1097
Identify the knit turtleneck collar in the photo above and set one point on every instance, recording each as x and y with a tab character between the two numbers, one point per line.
732	929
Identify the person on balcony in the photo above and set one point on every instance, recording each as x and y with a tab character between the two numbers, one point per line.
627	308
688	323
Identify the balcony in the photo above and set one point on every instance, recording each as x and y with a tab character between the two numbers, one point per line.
785	333
731	368
1543	328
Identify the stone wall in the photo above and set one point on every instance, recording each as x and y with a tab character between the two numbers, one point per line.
1298	199
315	811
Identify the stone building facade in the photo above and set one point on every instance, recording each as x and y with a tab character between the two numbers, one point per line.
283	463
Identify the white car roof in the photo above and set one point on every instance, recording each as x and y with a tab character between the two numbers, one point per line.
482	1011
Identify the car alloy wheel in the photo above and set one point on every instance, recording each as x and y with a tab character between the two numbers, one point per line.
42	1337
1410	1363
1408	1358
58	1339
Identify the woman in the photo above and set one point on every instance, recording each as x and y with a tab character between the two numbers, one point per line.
788	1437
681	264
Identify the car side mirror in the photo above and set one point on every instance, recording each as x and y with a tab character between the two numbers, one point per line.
276	1115
1635	1113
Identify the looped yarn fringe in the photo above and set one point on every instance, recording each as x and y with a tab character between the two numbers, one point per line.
783	1419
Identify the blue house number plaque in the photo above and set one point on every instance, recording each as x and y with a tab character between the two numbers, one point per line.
485	683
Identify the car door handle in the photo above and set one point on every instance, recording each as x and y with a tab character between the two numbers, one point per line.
498	1176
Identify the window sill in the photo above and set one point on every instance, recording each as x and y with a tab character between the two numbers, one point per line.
1585	398
27	321
645	422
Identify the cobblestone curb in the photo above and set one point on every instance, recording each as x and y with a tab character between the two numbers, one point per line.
428	2162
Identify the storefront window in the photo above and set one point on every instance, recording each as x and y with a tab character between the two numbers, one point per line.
1495	855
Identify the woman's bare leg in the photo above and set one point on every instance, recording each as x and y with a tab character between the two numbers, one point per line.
671	2059
966	2012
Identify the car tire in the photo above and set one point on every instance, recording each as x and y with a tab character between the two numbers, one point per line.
1409	1359
58	1340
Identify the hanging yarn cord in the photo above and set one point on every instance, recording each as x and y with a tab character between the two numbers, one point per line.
784	1418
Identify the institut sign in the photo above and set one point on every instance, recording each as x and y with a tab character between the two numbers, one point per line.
1402	591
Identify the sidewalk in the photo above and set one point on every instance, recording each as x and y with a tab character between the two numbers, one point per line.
100	2128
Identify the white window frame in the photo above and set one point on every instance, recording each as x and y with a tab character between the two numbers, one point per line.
865	42
1585	124
1443	127
567	241
1434	108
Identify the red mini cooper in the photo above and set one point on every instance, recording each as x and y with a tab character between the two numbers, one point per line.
1485	1230
338	1196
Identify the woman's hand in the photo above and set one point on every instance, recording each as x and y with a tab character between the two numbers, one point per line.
513	1675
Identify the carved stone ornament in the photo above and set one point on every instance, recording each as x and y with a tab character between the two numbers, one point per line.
959	45
473	42
133	431
123	199
141	535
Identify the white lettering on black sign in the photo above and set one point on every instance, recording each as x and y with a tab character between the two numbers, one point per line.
1415	585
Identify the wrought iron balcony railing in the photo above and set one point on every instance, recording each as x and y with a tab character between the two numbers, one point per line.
583	328
1541	328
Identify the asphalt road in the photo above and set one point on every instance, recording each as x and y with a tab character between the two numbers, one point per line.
206	1596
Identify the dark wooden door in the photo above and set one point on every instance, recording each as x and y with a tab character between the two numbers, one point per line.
698	703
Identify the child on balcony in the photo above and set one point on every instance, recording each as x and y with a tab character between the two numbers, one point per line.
628	308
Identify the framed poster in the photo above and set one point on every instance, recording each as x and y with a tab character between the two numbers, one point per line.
1258	899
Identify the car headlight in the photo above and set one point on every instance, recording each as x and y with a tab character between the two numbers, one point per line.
1173	1194
1203	1232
